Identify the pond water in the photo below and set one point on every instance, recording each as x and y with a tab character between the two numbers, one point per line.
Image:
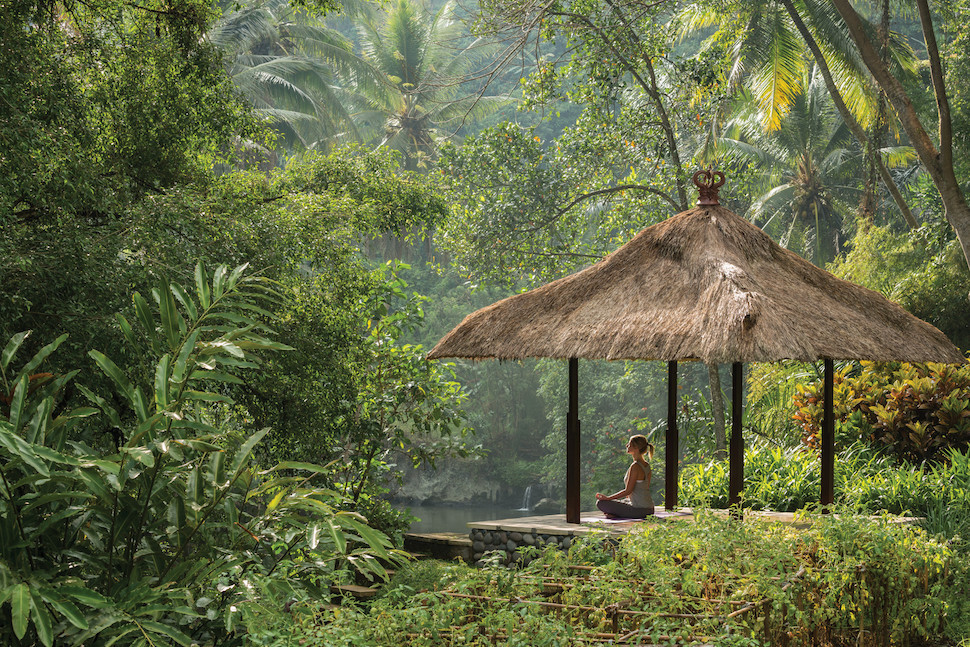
454	518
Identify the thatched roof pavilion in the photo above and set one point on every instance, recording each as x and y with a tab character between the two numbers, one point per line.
705	285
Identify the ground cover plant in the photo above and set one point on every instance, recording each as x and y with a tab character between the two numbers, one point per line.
843	580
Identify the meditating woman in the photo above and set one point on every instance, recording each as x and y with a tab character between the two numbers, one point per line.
637	482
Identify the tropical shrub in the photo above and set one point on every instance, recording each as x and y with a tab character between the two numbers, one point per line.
167	533
788	479
729	581
914	411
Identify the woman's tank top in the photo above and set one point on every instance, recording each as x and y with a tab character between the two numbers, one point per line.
640	497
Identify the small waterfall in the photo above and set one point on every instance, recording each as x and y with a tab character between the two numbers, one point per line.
526	500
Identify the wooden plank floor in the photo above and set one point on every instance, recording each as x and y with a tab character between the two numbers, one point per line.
555	524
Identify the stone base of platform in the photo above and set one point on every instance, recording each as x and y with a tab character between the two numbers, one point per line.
509	543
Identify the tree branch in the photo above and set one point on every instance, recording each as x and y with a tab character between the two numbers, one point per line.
620	187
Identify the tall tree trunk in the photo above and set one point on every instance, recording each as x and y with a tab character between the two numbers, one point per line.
938	162
717	411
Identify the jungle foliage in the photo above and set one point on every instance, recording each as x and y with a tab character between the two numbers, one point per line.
720	581
173	534
150	502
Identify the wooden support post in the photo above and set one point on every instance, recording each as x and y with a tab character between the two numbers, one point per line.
573	445
828	436
736	476
672	441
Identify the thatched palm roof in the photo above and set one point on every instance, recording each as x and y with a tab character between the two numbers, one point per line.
705	284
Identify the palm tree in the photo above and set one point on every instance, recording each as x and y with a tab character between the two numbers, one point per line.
422	62
774	43
284	62
810	164
769	54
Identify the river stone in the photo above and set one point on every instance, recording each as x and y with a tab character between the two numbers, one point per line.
476	535
529	539
515	536
487	538
478	546
511	546
566	543
501	537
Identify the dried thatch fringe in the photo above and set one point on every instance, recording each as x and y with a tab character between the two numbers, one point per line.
705	284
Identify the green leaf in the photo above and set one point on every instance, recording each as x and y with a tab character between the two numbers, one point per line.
17	402
145	316
186	301
24	450
313	537
161	381
222	345
41	355
339	540
310	467
205	396
166	630
140	405
11	349
42	620
217	376
85	596
65	607
94	482
199	445
37	427
234	276
54	456
218	282
171	320
376	541
202	286
126	329
102	405
188	346
143	455
217	469
117	376
20	609
241	458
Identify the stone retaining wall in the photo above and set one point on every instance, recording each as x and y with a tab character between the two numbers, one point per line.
510	541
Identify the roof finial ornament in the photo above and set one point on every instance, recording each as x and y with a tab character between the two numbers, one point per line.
708	181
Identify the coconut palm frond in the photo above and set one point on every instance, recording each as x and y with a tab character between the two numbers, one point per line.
778	79
898	156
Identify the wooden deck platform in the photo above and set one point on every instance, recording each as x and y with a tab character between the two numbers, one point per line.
555	524
512	536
